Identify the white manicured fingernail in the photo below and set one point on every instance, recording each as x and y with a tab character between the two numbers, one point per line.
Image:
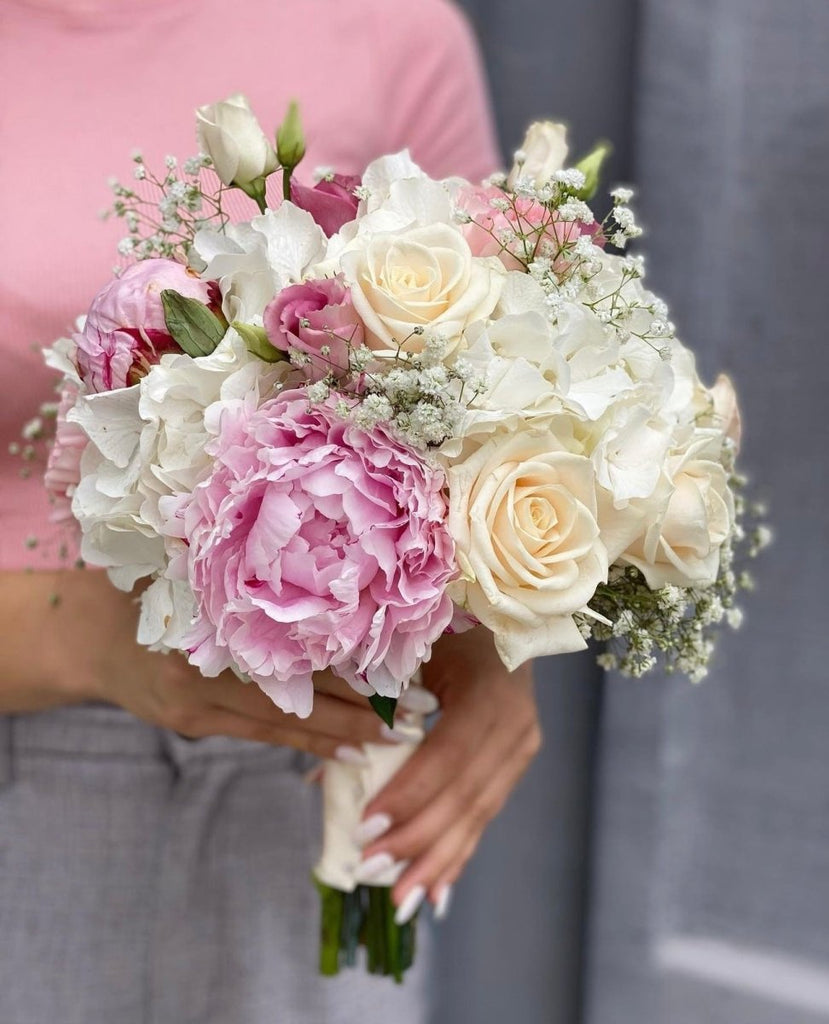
374	866
410	905
409	734
372	828
416	698
443	902
351	755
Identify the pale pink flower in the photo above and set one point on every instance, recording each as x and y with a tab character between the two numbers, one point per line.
311	317
125	332
314	544
63	468
331	202
516	235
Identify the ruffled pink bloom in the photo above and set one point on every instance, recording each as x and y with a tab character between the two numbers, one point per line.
125	330
314	544
516	235
63	469
311	316
331	202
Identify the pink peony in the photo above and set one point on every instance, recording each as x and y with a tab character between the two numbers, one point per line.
331	202
125	331
314	544
63	469
312	315
494	232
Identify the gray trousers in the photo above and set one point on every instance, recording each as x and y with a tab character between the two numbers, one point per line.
147	879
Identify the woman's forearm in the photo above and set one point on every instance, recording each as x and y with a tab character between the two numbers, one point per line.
50	623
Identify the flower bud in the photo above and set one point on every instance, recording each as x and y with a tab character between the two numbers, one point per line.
543	152
290	142
591	167
230	135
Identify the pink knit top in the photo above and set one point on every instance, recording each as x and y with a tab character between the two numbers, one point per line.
87	81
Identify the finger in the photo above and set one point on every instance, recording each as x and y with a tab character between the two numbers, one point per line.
442	863
447	751
219	722
327	682
477	794
341	719
445	860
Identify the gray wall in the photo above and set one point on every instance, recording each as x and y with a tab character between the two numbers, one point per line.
711	840
667	859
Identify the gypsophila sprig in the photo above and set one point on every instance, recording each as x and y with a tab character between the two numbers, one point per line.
163	213
677	624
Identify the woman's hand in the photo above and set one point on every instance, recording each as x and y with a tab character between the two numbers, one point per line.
82	647
438	805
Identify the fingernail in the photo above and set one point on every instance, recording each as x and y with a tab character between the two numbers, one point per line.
374	866
443	902
351	755
397	735
410	905
418	699
372	828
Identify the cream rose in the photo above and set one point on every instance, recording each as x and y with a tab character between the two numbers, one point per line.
230	135
543	151
424	278
682	541
524	519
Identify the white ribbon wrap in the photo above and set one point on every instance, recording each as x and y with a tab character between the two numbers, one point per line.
347	790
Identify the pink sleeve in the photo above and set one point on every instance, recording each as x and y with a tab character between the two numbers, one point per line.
437	98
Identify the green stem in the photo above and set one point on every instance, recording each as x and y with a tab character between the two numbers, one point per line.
364	917
286	182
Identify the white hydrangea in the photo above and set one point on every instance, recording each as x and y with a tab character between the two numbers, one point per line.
147	448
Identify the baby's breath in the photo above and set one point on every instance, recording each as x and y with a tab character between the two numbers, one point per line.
162	214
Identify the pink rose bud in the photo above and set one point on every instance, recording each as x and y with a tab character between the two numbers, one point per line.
125	331
316	318
331	202
63	470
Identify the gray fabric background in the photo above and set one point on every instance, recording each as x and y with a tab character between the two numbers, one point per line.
666	861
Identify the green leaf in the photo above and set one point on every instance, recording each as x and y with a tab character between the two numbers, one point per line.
385	707
256	342
193	327
591	167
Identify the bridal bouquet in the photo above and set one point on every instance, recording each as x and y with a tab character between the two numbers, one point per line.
385	408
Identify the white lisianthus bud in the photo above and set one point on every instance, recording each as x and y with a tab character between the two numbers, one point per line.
230	135
544	151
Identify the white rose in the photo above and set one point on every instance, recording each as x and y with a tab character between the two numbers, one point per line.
544	151
424	277
523	516
230	135
682	539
